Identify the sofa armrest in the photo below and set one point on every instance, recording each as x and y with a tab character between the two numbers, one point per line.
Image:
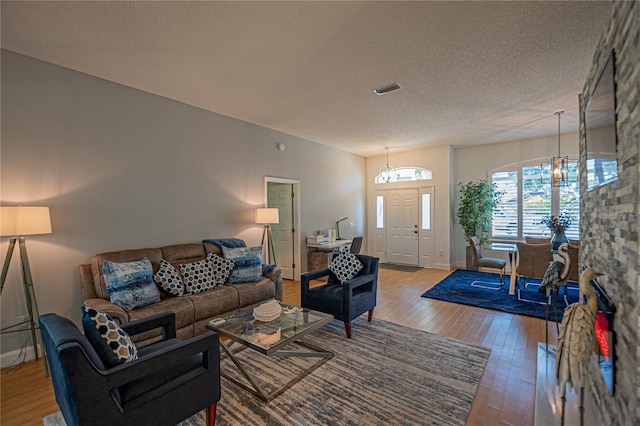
116	312
275	275
306	278
207	344
166	320
359	280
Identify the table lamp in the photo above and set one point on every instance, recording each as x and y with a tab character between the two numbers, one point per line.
16	222
268	216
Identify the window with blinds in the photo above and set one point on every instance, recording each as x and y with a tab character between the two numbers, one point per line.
570	202
505	214
536	201
527	199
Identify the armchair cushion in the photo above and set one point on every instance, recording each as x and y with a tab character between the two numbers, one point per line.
112	344
345	266
130	285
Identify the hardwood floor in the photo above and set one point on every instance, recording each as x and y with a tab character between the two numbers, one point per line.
505	396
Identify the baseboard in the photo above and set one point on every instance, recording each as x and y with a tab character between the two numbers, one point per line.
444	266
8	359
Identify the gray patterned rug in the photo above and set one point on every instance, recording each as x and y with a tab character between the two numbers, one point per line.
386	374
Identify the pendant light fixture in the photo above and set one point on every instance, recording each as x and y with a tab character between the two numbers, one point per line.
558	166
386	172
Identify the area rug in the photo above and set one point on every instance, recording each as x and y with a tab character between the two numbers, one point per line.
456	288
386	374
402	268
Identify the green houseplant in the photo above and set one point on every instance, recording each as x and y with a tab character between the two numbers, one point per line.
477	201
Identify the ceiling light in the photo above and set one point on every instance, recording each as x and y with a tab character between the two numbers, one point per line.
386	89
558	166
387	171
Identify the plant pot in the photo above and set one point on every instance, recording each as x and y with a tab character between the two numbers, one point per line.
470	265
556	240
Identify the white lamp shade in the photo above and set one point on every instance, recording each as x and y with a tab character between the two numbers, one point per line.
24	220
267	215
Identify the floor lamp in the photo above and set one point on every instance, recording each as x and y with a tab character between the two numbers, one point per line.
268	216
16	222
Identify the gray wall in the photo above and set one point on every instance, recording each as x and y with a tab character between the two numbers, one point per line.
121	168
609	223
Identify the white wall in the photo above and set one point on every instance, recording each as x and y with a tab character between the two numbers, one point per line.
478	162
121	168
439	161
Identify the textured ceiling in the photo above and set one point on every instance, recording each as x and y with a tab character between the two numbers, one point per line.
471	72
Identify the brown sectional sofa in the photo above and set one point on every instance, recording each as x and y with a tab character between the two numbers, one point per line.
193	312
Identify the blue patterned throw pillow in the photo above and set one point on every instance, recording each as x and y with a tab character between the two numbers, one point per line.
130	285
345	266
222	268
112	344
169	279
248	263
197	276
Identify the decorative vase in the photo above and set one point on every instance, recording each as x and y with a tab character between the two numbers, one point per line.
557	239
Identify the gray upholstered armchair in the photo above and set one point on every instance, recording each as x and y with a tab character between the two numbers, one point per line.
344	301
169	382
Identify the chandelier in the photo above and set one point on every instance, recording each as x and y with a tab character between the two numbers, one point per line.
386	171
559	166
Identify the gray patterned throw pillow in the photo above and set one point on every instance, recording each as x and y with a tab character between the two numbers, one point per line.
169	279
197	276
112	344
345	266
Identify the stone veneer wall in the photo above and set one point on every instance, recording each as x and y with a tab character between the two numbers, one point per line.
610	216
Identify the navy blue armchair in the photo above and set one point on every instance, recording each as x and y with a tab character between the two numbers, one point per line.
169	382
344	301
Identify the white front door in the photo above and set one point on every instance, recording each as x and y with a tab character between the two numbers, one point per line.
279	195
402	226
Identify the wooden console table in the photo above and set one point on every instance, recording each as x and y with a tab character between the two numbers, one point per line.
320	255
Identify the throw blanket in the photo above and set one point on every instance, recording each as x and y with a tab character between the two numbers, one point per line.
266	268
236	243
227	242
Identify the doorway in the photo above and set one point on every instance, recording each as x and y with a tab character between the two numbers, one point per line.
283	194
404	231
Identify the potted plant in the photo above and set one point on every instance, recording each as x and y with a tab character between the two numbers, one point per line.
477	201
558	225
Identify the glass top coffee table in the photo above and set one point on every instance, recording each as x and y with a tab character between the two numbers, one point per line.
270	339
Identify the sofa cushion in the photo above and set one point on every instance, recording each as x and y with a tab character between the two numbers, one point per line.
254	292
154	256
130	285
169	279
213	303
248	263
183	253
345	266
181	306
112	344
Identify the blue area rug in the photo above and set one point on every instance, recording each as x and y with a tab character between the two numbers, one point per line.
456	288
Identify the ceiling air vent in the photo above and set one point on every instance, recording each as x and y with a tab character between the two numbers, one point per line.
387	89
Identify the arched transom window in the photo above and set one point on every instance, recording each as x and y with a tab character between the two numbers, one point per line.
404	174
